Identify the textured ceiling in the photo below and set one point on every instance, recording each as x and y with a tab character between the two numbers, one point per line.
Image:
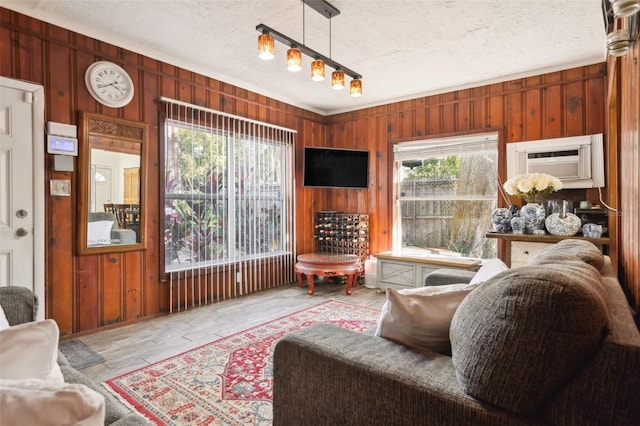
403	49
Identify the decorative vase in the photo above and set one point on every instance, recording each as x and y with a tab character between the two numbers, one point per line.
563	223
592	230
501	219
533	215
517	224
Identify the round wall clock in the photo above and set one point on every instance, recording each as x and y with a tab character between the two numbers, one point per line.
109	84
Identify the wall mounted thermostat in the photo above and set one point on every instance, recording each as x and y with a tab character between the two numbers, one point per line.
62	138
62	145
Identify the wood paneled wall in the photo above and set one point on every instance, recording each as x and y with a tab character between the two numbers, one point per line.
558	104
88	292
624	125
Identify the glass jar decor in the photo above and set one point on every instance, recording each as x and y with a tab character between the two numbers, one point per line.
563	223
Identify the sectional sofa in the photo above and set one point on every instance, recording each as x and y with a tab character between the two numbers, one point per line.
553	342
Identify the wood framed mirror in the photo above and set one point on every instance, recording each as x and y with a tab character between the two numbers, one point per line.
111	176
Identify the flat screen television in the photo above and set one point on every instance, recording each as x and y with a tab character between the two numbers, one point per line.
336	168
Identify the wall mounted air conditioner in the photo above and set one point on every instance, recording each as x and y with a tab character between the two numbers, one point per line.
577	161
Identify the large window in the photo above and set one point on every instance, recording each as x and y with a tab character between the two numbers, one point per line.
446	190
227	193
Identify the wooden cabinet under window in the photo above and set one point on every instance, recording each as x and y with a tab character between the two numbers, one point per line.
400	271
132	185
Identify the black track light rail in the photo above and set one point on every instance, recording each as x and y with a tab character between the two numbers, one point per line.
323	7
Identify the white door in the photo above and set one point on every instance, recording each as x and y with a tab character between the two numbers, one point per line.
22	186
101	188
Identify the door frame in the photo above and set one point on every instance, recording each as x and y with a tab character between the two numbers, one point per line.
36	92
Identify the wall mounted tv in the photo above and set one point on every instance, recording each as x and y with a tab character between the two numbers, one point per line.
336	168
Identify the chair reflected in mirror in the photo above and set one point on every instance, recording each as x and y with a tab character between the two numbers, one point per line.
127	215
132	217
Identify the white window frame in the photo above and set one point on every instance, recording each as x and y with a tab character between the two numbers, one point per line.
427	148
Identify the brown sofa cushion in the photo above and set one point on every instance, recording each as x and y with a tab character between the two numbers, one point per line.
521	335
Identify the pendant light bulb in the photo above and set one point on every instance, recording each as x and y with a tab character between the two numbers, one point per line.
337	80
355	89
294	59
266	46
317	70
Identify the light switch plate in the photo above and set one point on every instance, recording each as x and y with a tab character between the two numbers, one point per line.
60	187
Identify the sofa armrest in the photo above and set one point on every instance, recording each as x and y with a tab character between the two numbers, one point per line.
604	392
115	411
341	377
446	276
19	304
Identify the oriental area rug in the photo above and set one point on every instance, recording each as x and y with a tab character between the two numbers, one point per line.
228	381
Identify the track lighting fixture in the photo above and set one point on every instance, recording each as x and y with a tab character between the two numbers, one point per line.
266	46
294	59
337	80
266	51
317	70
355	89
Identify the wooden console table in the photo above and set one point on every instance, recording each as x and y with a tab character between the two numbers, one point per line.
328	265
521	248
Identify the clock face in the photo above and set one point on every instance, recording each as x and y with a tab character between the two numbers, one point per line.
109	84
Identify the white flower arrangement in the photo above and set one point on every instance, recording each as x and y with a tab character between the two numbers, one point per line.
532	185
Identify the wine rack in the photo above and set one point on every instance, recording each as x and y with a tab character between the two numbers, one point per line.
342	233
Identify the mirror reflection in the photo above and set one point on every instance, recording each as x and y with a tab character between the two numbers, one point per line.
114	198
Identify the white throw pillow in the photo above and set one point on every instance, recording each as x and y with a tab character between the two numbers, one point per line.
3	320
99	232
42	403
421	317
30	351
489	269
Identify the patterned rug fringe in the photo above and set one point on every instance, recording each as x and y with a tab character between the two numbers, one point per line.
124	401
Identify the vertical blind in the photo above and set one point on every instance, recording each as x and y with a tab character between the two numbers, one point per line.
228	204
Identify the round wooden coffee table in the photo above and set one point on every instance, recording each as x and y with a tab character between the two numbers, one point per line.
328	265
